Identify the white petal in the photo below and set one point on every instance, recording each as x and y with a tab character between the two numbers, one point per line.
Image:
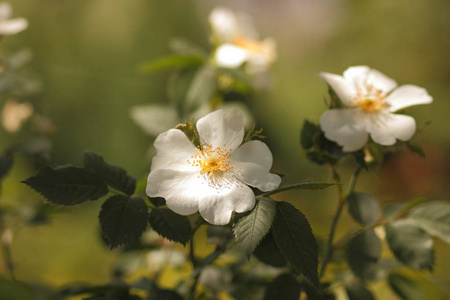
173	150
181	189
230	56
216	207
5	11
356	74
13	26
345	91
407	95
223	24
219	131
254	152
389	127
245	27
345	127
380	81
154	119
255	176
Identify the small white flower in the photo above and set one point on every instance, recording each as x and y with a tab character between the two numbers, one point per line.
238	42
371	98
14	114
211	179
10	26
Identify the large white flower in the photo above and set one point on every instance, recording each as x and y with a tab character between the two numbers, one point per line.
238	42
213	178
10	26
371	98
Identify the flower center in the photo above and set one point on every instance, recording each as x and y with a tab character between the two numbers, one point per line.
248	44
211	161
371	99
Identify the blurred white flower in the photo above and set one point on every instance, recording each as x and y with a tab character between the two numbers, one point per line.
14	114
165	257
371	98
10	26
213	178
237	42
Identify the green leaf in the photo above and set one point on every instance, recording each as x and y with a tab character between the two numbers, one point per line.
123	219
357	291
115	177
363	253
6	163
296	241
171	225
410	244
392	211
404	287
267	251
67	185
363	208
202	88
157	201
434	218
308	134
302	186
285	287
250	230
415	148
153	118
185	47
172	62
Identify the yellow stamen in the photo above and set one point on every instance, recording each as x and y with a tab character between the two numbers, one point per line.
248	44
211	161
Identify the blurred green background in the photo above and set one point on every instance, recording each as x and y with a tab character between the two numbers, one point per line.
87	54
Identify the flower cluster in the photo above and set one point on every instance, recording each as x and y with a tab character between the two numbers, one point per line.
213	178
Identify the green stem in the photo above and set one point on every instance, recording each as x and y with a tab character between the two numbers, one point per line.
342	199
303	185
114	191
5	241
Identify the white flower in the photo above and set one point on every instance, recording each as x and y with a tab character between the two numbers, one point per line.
212	179
371	98
238	42
14	114
10	26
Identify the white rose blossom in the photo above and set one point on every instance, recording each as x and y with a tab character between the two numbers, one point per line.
213	178
10	26
239	42
371	98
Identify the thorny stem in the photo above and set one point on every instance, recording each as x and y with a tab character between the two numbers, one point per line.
342	199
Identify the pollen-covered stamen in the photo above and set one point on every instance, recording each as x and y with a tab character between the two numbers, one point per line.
370	99
211	161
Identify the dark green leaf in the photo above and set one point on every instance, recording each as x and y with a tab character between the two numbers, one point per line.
308	134
410	244
268	252
434	218
157	201
6	163
363	254
67	185
363	208
250	230
405	288
285	287
415	148
296	241
357	291
171	225
123	219
172	62
202	88
113	176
